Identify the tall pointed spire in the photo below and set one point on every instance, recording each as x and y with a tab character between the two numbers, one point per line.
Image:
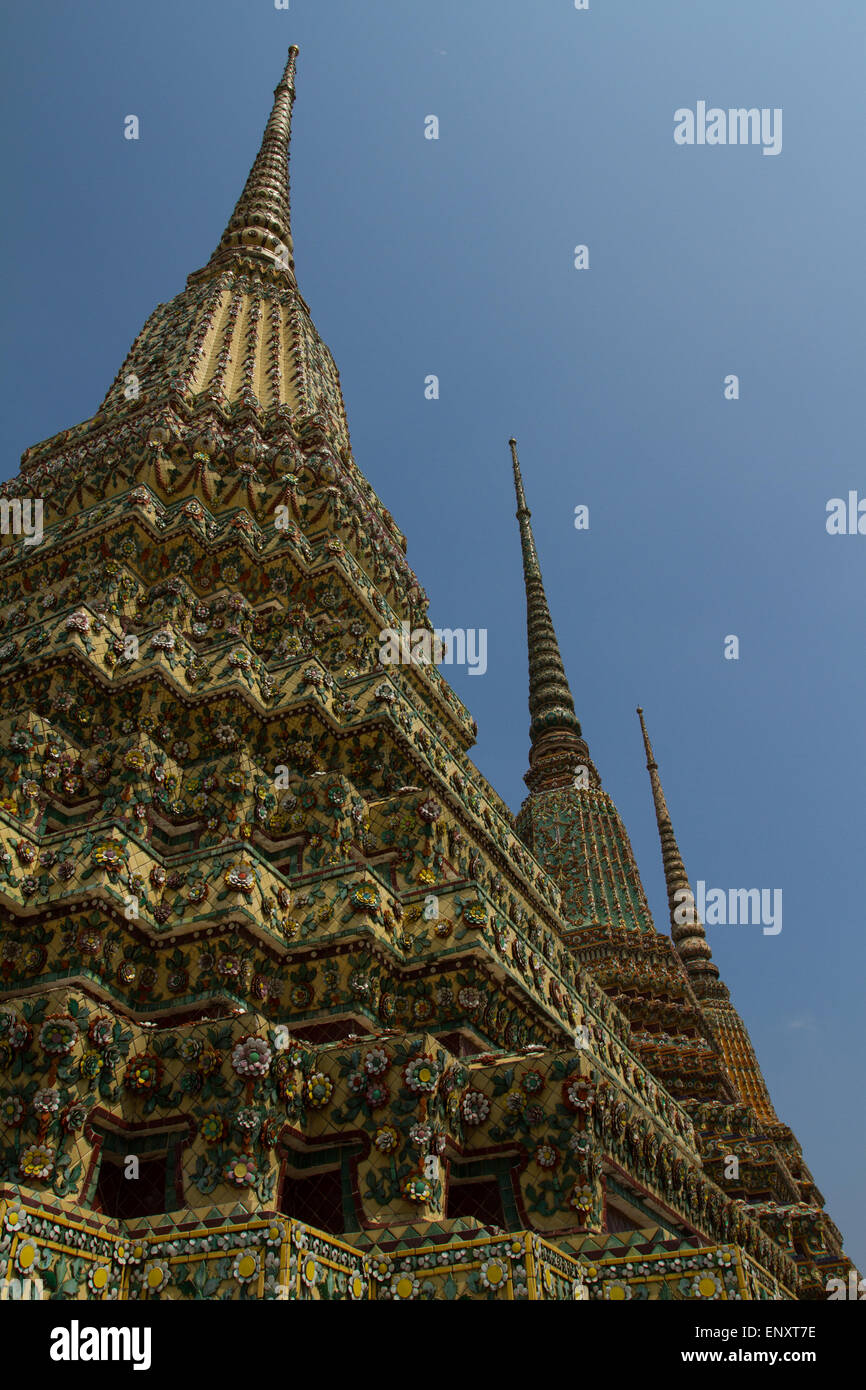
259	229
557	748
240	335
689	938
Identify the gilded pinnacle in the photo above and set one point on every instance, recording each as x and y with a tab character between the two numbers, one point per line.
557	748
259	229
689	937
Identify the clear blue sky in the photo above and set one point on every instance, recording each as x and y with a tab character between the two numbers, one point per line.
454	257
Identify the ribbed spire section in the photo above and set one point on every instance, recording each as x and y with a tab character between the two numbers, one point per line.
688	935
557	748
693	949
259	229
239	337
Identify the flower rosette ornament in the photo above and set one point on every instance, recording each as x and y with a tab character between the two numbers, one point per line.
420	1135
212	1128
494	1274
36	1163
209	1061
310	1271
248	1120
73	1117
90	1064
386	1139
46	1100
430	810
472	1000
581	1199
156	1276
577	1095
376	1061
130	1252
513	1102
547	1157
404	1287
475	915
189	1049
240	879
251	1057
318	1090
99	1279
58	1035
143	1074
421	1075
580	1146
107	856
100	1031
417	1189
241	1172
474	1108
286	1089
616	1290
270	1131
17	1219
365	898
422	1010
706	1285
376	1095
246	1267
20	1036
12	1111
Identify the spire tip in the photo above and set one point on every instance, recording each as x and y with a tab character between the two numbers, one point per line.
259	229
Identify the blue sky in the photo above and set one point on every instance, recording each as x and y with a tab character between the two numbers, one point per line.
455	257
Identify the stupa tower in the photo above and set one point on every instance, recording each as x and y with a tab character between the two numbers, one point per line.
291	1007
690	940
575	830
811	1230
683	1024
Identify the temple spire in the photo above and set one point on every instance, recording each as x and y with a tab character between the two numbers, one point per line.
557	748
259	229
689	936
691	944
